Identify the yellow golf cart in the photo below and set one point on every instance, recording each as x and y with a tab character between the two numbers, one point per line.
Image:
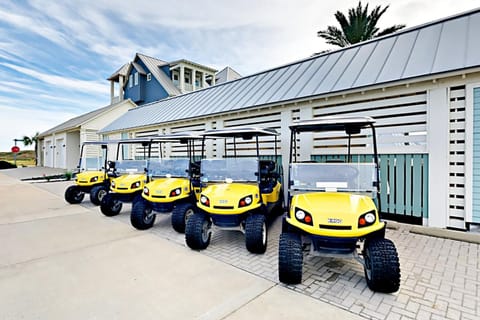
171	185
333	205
92	176
238	192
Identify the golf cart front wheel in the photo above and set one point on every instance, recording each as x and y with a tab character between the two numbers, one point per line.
256	233
73	195
142	216
290	258
197	231
97	193
382	266
110	207
180	214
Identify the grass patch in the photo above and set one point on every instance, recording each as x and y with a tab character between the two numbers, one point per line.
24	158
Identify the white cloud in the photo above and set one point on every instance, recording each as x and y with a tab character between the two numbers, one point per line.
62	82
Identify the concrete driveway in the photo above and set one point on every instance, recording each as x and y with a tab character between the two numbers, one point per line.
61	261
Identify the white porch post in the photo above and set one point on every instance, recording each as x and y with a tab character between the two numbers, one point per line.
120	88
112	91
194	75
182	79
204	80
437	145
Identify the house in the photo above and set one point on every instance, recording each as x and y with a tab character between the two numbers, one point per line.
141	81
59	147
147	79
422	85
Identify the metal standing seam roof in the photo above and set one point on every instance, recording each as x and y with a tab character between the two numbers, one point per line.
153	65
78	121
445	45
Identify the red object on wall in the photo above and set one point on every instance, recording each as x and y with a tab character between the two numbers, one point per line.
15	149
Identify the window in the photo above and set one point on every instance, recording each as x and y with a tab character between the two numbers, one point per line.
149	76
130	81
175	76
136	79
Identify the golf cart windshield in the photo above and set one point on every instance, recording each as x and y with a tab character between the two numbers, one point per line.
229	169
169	168
92	157
334	177
130	166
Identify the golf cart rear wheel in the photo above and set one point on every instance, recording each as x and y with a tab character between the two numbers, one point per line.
142	216
256	233
382	267
180	214
197	231
110	206
290	258
97	193
73	195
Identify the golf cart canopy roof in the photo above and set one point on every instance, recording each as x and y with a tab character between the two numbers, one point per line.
186	135
103	142
333	123
243	132
137	140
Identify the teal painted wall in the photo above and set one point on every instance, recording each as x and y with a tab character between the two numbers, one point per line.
403	182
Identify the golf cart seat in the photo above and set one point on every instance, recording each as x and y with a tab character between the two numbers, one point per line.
267	176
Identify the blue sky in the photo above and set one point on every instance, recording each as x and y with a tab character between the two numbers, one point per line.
55	57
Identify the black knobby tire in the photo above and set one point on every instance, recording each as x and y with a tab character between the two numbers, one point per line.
382	266
97	193
290	258
197	231
110	206
256	233
180	214
141	216
73	195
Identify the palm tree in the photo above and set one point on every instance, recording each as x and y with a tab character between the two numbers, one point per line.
28	141
360	26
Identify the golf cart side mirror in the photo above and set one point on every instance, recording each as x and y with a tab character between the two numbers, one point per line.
111	164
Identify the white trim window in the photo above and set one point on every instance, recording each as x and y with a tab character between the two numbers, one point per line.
136	79
130	81
149	76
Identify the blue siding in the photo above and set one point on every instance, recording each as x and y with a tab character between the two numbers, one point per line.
476	157
133	92
145	91
166	70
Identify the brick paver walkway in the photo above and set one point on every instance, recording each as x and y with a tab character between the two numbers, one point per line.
440	277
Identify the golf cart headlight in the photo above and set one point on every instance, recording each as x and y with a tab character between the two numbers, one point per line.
370	217
245	201
146	191
300	215
112	184
135	185
175	192
303	216
205	201
367	219
94	179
